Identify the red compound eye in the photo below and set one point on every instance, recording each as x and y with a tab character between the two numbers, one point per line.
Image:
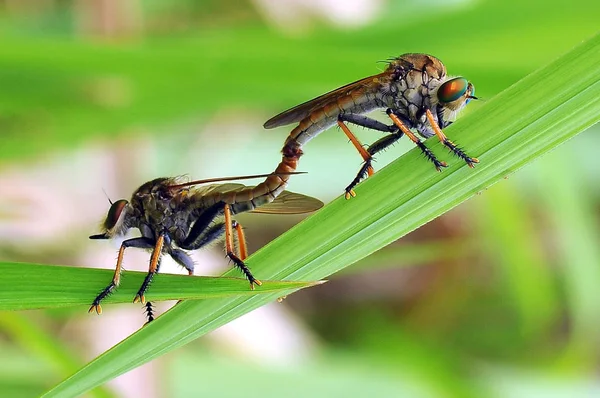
452	89
114	213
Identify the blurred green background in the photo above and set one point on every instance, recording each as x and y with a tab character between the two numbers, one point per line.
494	299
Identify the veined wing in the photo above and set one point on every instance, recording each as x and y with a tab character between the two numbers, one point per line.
290	203
299	112
214	189
177	183
286	203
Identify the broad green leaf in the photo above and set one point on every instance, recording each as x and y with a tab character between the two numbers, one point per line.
33	286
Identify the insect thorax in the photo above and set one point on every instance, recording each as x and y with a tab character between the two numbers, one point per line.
161	209
412	93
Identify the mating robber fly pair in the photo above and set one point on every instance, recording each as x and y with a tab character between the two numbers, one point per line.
174	216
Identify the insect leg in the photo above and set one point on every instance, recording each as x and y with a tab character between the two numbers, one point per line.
241	238
384	142
149	312
200	235
183	259
229	249
367	122
426	151
447	143
206	217
209	235
361	150
152	269
197	240
142	243
377	146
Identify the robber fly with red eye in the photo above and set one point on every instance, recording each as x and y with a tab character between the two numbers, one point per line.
418	97
174	216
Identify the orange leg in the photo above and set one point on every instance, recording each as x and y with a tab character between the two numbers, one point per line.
426	151
363	153
115	282
229	249
241	239
361	150
447	143
152	269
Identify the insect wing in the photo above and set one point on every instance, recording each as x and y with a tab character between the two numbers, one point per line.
214	193
286	203
301	111
218	188
176	183
229	193
290	203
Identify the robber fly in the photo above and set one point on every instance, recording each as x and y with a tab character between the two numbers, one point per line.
417	95
174	216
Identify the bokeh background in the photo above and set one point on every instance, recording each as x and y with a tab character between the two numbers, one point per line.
497	298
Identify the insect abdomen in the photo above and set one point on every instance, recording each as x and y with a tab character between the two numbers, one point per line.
327	116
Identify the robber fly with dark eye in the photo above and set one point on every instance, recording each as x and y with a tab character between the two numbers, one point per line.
175	216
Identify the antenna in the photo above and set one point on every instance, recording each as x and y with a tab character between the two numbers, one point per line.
107	197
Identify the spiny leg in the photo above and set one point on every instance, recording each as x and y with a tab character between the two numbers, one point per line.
376	147
229	250
241	239
361	150
426	151
152	269
143	243
367	169
449	144
384	142
149	312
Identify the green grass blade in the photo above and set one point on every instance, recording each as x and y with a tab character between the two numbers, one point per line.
528	119
46	346
33	286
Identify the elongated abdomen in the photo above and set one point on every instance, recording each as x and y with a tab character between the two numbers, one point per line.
242	198
358	101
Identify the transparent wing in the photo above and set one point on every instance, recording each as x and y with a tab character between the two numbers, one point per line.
218	188
290	203
177	183
286	203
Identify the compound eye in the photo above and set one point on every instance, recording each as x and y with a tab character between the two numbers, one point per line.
114	213
453	89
